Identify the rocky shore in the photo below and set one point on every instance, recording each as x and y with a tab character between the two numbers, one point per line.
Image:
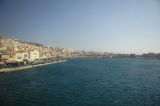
27	67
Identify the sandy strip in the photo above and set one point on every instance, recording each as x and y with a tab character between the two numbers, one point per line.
27	67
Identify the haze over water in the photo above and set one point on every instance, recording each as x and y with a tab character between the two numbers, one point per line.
84	82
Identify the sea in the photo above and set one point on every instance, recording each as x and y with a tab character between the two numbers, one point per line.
84	82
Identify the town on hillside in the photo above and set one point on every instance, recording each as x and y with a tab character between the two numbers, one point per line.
15	53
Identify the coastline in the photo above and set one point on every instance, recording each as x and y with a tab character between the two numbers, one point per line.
27	67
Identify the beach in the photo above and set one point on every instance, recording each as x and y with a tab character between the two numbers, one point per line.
27	67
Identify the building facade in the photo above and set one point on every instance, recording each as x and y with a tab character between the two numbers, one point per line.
34	55
22	56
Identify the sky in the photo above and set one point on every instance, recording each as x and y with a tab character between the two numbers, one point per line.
119	26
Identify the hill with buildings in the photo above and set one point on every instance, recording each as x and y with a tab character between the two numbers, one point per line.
16	50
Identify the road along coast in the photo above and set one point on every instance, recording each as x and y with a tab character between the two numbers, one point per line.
27	67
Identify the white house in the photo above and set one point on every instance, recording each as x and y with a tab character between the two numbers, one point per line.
21	56
34	55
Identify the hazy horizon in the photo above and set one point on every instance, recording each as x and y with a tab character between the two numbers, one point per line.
119	26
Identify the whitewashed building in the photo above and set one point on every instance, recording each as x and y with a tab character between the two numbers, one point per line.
34	55
22	56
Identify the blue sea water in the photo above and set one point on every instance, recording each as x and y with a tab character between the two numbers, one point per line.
84	82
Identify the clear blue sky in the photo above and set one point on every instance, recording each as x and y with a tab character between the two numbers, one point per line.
124	26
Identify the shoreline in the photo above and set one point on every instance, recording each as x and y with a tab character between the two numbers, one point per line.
27	67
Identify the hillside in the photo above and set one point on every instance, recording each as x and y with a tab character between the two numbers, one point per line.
12	46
